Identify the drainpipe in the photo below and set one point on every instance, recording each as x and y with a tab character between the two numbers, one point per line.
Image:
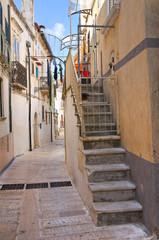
28	44
51	128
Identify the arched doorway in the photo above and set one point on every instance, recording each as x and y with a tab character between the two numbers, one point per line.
36	131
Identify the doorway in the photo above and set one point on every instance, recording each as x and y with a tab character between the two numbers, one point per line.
36	131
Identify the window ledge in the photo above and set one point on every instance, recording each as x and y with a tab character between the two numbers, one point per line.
19	86
110	19
2	118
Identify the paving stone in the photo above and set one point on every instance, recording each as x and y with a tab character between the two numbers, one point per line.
52	213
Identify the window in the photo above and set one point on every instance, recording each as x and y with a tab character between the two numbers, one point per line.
46	117
110	4
36	72
32	68
8	24
1	44
43	115
1	15
1	98
89	42
16	50
49	118
7	30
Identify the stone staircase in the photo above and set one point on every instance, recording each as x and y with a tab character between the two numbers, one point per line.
97	112
109	177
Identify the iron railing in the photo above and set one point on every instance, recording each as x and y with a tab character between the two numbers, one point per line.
19	74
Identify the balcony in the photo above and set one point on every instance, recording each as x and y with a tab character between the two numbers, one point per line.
19	75
5	49
44	88
112	14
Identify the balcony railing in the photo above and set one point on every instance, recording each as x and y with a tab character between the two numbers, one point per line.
19	75
44	88
5	49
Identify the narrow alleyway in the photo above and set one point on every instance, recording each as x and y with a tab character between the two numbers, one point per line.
50	212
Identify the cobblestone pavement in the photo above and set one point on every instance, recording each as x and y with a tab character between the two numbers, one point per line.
50	213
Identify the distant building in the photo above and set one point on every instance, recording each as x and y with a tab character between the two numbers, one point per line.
120	110
59	109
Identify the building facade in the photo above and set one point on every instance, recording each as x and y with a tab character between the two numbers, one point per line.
123	51
59	110
6	138
31	81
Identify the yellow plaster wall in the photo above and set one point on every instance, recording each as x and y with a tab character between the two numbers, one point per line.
133	78
134	107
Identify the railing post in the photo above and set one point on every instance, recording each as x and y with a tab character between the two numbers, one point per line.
117	107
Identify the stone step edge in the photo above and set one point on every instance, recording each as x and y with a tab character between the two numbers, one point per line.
105	151
100	124
97	125
111	186
95	104
93	94
98	132
90	85
96	113
99	138
117	207
107	168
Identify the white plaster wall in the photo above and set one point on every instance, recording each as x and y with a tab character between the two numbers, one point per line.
20	123
19	106
74	156
71	138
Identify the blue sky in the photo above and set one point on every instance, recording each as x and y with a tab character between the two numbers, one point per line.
53	14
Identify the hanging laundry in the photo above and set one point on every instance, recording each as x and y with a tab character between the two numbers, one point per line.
55	72
57	84
60	69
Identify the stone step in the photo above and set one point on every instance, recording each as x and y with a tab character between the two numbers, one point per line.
94	94
108	172
104	156
91	88
87	104
97	113
95	98
100	133
106	127
112	191
96	108
98	119
116	212
102	142
99	124
91	85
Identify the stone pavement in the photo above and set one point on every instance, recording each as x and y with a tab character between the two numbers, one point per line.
51	213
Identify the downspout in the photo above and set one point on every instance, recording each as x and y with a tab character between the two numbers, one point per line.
30	141
51	128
